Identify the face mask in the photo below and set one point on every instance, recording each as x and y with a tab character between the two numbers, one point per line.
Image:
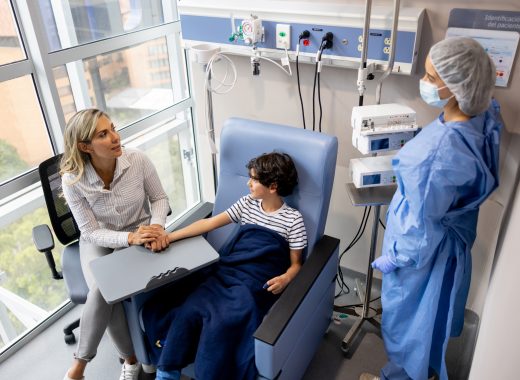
430	94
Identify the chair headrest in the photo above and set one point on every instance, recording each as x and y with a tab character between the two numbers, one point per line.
313	153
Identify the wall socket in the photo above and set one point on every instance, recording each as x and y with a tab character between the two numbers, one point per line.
283	36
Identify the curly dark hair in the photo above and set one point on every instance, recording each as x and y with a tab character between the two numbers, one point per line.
275	168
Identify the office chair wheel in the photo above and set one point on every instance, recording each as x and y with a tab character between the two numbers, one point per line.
70	338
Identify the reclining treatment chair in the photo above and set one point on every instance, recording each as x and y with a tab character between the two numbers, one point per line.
292	330
67	232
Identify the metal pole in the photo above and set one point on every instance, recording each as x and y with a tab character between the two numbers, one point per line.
373	245
211	130
365	315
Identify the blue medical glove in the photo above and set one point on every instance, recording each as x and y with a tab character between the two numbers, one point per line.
384	264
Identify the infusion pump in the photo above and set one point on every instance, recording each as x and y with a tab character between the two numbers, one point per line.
385	142
382	119
372	171
376	129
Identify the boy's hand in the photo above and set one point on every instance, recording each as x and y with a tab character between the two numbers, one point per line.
277	284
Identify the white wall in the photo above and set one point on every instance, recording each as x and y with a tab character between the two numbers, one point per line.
496	353
273	97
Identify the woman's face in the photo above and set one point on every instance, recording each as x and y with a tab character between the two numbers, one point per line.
432	77
105	144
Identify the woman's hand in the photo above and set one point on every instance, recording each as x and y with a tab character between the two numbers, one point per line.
161	242
144	235
277	284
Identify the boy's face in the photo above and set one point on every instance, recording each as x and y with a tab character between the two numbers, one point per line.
258	191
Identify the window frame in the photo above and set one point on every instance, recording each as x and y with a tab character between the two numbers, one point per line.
23	193
40	62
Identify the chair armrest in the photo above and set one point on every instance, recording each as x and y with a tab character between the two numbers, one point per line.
282	311
42	238
44	242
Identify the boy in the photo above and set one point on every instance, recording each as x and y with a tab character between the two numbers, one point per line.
230	304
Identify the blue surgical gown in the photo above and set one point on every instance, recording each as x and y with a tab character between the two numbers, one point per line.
443	175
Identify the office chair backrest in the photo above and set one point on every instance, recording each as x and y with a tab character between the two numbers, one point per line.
313	153
62	221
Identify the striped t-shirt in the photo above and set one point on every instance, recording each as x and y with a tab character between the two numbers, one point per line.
287	221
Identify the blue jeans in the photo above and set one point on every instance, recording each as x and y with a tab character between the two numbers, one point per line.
167	375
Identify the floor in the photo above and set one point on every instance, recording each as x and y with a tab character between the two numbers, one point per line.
47	357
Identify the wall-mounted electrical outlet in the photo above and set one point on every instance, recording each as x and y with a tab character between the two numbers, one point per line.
283	36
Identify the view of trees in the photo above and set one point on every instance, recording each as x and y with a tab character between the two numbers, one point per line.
10	162
23	270
166	157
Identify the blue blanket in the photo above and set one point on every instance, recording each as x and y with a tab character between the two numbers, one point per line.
212	323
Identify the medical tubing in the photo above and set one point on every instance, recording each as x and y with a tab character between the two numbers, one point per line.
391	57
209	70
277	64
288	62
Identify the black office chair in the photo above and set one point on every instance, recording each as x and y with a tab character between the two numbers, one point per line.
67	232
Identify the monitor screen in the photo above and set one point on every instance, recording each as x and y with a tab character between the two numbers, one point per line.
379	144
372	179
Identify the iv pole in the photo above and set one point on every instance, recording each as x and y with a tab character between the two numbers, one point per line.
373	197
211	125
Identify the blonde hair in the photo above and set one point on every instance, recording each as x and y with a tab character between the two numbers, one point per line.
80	128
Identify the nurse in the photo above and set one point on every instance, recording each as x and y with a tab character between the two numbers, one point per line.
443	175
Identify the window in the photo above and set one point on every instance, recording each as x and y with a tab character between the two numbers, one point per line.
24	141
57	57
10	45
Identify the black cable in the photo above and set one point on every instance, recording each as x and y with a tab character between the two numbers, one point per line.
300	90
336	307
318	59
382	224
304	34
326	43
361	230
319	101
313	96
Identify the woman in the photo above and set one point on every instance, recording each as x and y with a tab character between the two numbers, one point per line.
443	175
117	200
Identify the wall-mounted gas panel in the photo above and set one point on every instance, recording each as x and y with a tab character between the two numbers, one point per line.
220	23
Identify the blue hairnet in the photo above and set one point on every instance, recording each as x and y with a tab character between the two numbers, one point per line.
468	71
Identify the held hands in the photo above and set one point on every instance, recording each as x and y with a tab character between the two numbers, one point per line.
277	284
383	264
154	237
161	242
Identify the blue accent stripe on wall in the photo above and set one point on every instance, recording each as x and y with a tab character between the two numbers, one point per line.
218	30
